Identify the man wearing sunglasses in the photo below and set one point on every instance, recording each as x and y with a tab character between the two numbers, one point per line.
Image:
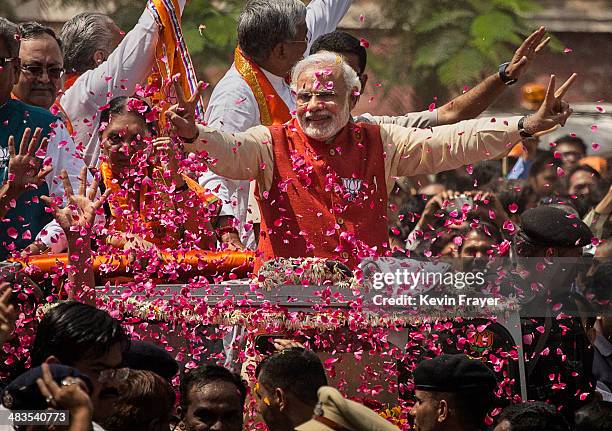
42	65
26	217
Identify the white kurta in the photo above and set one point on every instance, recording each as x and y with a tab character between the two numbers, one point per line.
233	108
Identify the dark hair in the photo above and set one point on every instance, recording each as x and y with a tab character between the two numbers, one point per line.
534	416
488	230
471	407
543	162
33	30
120	105
585	168
513	191
72	331
209	373
452	180
341	42
83	35
575	140
410	212
599	281
296	370
486	171
562	202
596	416
144	397
11	36
263	24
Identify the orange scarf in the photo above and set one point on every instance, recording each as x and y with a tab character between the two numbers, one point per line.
272	109
70	80
172	59
57	109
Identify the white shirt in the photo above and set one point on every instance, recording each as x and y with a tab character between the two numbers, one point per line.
233	108
128	65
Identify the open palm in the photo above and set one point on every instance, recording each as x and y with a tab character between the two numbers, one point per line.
80	212
24	167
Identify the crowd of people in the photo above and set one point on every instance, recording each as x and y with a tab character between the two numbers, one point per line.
104	153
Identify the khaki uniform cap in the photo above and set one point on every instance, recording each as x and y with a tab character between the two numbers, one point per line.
344	413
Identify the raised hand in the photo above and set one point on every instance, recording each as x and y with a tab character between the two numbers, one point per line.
284	343
526	53
182	115
71	395
554	110
24	167
436	203
80	211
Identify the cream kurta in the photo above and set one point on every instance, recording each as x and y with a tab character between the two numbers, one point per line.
409	151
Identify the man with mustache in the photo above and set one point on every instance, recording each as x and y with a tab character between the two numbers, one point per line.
452	393
323	181
466	106
25	217
90	340
255	90
42	65
235	108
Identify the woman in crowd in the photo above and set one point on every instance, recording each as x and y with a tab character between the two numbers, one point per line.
151	201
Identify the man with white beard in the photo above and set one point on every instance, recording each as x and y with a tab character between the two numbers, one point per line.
323	181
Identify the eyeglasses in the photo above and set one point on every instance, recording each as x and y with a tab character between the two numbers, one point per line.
114	375
53	72
303	97
305	40
5	60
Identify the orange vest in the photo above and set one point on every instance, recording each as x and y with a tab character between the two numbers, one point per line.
272	109
327	199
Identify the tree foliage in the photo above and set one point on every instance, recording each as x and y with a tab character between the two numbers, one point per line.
445	45
209	26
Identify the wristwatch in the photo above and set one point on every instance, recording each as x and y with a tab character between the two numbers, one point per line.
504	76
521	128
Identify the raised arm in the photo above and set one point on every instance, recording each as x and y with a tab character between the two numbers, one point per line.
323	16
473	102
129	64
418	151
427	151
77	220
